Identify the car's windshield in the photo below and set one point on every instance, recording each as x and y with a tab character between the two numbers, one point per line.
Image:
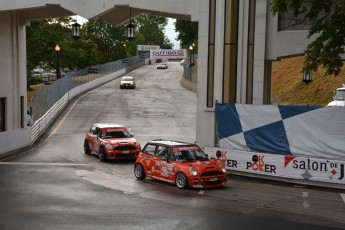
339	95
190	155
116	134
127	79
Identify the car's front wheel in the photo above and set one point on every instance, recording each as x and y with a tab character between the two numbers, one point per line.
181	180
102	154
86	147
139	172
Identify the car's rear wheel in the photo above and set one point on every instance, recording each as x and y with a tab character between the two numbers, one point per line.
102	154
139	172
181	180
86	147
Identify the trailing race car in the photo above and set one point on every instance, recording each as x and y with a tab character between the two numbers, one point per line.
162	66
180	163
111	141
127	82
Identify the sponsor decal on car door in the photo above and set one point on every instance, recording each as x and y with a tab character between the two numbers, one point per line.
95	143
162	169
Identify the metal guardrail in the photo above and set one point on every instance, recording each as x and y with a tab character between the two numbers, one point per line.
46	97
48	102
45	121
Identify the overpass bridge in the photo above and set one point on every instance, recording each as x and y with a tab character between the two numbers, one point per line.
238	40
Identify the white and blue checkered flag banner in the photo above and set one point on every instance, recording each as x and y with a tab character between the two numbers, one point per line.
310	131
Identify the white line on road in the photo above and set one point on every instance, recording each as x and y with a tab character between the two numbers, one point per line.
201	192
41	163
343	196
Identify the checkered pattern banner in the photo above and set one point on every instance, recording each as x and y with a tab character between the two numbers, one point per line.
308	131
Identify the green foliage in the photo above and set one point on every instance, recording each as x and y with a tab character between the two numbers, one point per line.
33	80
100	42
188	32
107	38
328	28
150	30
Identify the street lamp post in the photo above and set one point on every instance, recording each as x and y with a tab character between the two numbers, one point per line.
307	75
57	49
190	56
193	53
76	31
130	27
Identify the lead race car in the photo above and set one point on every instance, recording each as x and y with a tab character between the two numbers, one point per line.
111	141
180	163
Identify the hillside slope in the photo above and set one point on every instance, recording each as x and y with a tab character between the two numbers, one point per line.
288	88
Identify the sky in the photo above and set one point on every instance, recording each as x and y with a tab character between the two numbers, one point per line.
169	30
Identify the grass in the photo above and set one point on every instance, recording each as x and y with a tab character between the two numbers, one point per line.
31	91
288	88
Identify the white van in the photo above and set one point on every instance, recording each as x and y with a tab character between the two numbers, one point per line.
338	98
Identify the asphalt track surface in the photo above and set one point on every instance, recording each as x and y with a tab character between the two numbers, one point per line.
54	185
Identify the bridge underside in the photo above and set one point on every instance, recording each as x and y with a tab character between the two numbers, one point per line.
237	40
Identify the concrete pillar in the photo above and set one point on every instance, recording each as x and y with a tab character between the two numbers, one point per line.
13	81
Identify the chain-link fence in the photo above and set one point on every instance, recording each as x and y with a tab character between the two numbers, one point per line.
189	68
46	97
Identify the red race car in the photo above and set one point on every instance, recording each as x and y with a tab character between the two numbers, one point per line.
180	163
111	141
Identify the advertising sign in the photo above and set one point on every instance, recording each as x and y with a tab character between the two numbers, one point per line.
181	53
292	167
148	47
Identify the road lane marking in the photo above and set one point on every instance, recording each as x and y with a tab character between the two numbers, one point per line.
343	196
201	192
306	205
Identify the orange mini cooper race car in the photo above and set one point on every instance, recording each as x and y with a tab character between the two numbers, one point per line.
111	141
180	163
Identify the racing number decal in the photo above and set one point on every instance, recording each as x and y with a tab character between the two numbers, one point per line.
167	169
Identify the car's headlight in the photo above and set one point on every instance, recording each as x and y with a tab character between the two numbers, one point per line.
108	146
223	169
193	171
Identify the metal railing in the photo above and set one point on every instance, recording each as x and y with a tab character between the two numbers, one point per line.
46	97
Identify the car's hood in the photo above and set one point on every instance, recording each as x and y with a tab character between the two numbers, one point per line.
336	104
121	141
209	165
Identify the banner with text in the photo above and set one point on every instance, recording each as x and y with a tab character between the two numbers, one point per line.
291	167
148	47
156	54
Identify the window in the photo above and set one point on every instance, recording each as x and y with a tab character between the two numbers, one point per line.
97	132
150	149
2	114
92	129
162	152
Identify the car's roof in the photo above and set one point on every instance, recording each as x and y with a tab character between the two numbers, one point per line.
127	77
108	125
170	143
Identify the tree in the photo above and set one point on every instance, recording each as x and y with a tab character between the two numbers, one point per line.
188	32
109	39
328	17
150	30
